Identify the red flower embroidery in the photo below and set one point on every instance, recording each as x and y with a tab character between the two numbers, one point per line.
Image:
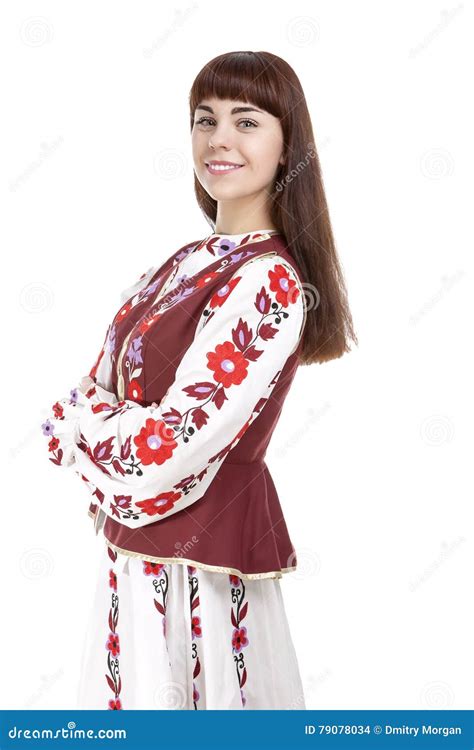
286	289
115	705
151	568
113	644
160	504
113	580
239	639
221	295
58	410
196	627
228	364
53	444
135	391
155	442
235	580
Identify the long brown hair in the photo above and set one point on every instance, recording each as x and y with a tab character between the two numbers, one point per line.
298	206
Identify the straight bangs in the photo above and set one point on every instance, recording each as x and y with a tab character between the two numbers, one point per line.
239	76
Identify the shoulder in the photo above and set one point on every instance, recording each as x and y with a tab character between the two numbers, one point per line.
276	274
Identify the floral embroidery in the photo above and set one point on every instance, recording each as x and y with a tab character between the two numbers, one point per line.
168	300
160	504
135	392
228	365
239	634
196	628
149	443
218	299
110	340
155	442
135	351
160	584
286	289
114	679
54	445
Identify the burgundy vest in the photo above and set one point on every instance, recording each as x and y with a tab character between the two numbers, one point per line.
237	526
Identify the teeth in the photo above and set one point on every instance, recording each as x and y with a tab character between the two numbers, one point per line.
222	167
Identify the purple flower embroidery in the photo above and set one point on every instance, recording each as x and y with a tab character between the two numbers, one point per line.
183	254
48	428
152	288
134	351
73	398
225	246
111	340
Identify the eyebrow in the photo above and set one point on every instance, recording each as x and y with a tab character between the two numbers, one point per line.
234	111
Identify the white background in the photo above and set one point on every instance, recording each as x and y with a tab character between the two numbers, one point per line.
370	457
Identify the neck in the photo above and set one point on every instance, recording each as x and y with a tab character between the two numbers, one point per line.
242	215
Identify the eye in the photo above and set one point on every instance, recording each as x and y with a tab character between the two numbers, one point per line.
202	120
255	124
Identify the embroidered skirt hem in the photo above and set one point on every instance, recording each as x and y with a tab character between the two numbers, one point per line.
175	636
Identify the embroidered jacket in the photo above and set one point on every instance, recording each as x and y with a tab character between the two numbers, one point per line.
170	428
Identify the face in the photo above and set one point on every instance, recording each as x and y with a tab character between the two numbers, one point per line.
237	148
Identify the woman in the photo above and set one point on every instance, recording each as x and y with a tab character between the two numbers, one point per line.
170	428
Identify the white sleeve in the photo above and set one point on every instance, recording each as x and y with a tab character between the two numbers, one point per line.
147	463
61	424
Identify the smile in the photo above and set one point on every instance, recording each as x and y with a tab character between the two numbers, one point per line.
222	168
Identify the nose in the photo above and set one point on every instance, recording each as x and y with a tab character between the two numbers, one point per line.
221	136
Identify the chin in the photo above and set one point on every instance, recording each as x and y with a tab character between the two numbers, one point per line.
223	193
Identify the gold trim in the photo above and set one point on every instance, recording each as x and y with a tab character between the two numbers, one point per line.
203	566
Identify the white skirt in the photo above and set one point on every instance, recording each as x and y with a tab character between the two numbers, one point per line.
174	636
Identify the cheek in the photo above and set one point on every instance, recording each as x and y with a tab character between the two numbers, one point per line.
198	142
263	159
264	150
